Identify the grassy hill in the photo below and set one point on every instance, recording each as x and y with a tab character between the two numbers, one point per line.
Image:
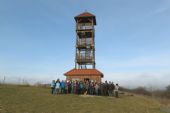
19	99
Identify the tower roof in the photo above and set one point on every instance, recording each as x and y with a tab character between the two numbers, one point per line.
89	72
86	15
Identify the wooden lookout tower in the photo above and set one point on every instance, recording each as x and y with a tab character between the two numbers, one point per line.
85	66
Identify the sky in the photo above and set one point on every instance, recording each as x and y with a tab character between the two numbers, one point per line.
37	40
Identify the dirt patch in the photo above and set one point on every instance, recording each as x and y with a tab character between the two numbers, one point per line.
89	96
165	109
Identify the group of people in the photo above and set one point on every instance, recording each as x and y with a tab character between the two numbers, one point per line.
84	87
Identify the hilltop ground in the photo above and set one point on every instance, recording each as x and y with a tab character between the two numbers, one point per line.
19	99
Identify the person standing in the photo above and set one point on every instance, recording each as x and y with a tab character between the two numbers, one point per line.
113	88
72	87
75	87
106	88
117	90
66	86
62	87
69	87
81	87
101	89
86	86
57	87
110	89
91	88
96	89
52	86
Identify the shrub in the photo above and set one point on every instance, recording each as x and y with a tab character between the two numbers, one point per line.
141	90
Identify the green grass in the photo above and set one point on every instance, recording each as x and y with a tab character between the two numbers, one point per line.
17	99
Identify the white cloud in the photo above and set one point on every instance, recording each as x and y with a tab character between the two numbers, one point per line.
165	6
161	10
155	80
148	71
141	61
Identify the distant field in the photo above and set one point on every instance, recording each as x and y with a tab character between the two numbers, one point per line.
19	99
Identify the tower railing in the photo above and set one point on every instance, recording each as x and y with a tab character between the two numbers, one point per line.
84	57
88	26
84	43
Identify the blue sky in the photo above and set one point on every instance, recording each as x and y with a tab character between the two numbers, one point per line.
37	39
